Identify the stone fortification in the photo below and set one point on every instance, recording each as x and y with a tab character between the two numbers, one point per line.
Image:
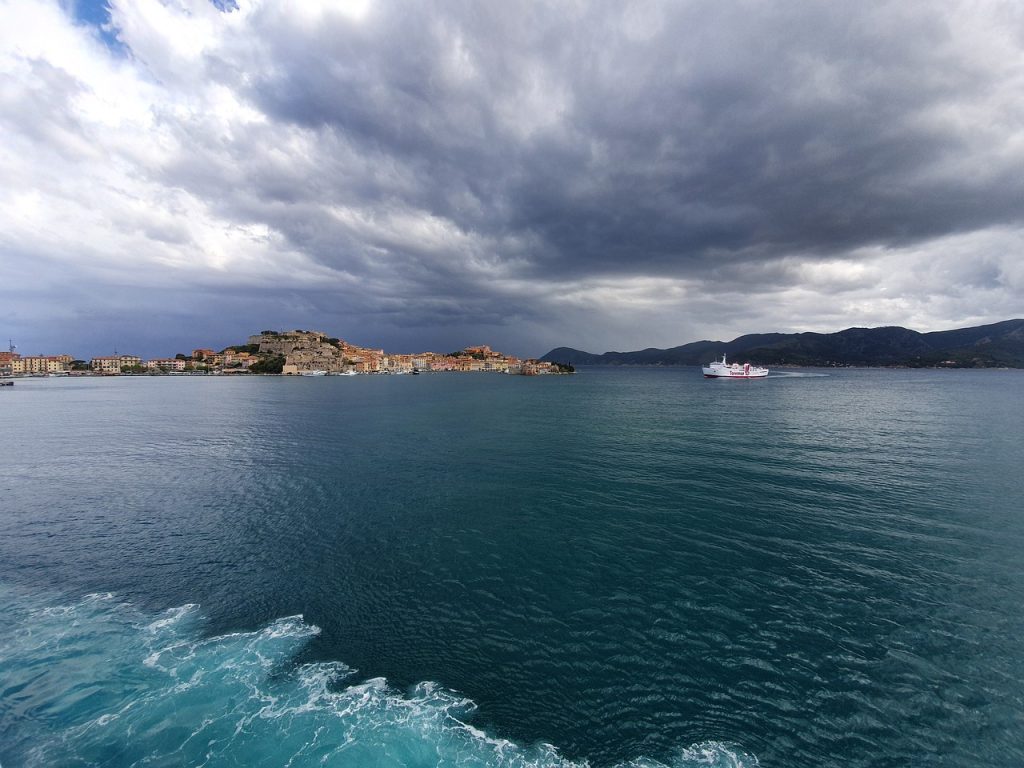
306	350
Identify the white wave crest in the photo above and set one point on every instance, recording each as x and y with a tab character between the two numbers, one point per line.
172	616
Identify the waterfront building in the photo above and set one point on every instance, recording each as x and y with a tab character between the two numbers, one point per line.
370	364
40	363
238	359
399	363
112	364
166	364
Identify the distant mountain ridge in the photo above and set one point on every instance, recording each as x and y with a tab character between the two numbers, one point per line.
985	346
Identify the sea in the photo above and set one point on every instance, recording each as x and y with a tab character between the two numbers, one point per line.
624	567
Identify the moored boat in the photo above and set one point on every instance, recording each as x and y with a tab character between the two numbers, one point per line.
720	369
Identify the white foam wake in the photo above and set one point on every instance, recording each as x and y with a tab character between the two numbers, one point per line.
97	684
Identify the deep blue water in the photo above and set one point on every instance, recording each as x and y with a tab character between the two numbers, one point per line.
624	567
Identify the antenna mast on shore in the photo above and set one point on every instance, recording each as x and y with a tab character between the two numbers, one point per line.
10	346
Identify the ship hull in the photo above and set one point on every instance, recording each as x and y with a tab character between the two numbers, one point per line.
714	375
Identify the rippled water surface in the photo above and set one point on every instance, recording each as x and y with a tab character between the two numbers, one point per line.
623	567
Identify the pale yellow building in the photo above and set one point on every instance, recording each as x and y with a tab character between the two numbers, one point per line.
166	364
112	364
40	364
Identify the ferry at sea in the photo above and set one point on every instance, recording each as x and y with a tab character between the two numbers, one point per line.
720	369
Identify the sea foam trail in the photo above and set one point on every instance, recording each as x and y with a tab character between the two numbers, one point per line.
95	682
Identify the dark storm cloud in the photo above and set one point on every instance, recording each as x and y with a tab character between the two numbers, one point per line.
713	132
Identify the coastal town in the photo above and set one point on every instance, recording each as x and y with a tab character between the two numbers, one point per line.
288	353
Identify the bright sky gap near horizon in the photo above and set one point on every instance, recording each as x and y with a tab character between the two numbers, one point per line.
430	175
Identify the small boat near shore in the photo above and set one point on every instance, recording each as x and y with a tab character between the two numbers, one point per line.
720	369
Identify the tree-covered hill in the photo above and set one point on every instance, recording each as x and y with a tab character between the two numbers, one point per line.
985	346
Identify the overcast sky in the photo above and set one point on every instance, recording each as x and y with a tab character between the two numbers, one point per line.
419	175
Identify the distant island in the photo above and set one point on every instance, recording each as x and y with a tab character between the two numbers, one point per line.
999	345
296	353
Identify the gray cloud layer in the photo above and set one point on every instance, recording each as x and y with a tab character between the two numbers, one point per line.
433	174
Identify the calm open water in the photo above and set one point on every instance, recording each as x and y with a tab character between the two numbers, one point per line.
625	567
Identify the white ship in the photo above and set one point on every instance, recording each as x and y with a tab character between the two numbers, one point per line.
722	370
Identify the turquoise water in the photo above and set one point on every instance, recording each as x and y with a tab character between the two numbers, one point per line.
625	567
